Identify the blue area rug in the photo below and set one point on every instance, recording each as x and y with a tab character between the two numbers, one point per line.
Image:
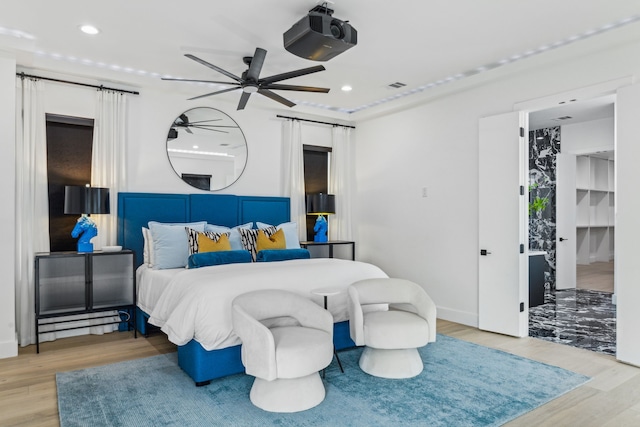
463	384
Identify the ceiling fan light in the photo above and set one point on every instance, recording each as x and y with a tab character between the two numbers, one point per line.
250	89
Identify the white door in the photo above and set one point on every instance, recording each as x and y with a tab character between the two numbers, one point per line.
503	282
627	231
566	221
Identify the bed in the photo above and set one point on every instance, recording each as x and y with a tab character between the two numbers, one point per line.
194	313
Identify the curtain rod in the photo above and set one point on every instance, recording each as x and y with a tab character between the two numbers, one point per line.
315	121
101	87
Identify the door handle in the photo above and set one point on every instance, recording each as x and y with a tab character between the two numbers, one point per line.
562	239
484	252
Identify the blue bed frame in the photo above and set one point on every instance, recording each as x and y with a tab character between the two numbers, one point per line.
135	210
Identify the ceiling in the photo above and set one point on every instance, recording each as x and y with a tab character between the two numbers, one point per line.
428	46
573	112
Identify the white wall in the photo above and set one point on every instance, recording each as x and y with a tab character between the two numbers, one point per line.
587	137
150	115
149	170
434	240
8	340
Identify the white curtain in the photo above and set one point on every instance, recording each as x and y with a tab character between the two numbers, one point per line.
32	199
108	166
293	170
341	179
108	169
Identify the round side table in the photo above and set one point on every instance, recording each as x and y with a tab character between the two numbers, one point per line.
326	293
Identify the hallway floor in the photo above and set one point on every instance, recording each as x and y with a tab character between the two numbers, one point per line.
577	317
597	276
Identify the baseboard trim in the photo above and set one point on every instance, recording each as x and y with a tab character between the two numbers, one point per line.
8	349
457	316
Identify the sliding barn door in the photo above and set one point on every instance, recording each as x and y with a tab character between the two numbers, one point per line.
503	235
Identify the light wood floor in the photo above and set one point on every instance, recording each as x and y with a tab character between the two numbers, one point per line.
611	398
597	276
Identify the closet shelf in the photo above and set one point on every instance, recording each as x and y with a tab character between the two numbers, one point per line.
594	209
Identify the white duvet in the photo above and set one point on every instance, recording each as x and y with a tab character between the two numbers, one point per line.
197	302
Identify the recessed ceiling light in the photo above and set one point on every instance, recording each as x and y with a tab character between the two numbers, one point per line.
89	29
346	88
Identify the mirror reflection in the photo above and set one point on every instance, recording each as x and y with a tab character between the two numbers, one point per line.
206	148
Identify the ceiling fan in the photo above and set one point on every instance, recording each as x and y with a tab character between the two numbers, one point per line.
182	121
250	82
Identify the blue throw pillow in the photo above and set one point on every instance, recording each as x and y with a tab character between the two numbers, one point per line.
205	259
268	255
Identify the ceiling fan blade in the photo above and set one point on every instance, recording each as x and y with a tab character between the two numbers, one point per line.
200	81
200	122
213	127
292	74
214	67
214	93
207	128
294	87
276	97
253	73
243	100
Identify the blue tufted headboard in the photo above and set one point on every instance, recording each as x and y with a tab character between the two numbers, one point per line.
135	210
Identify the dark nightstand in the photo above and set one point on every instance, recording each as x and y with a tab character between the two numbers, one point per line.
68	283
330	244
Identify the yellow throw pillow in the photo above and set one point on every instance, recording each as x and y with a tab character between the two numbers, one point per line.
206	244
275	241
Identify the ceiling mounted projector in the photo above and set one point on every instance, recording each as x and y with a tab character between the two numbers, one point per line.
320	37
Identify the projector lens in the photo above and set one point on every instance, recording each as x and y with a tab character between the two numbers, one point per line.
336	29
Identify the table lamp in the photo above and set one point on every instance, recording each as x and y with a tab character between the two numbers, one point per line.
85	201
321	204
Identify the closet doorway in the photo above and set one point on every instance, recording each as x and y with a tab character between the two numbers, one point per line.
572	220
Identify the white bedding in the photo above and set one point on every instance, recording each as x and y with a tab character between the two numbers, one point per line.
196	304
151	284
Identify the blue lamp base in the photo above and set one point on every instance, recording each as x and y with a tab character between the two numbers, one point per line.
85	247
321	229
86	229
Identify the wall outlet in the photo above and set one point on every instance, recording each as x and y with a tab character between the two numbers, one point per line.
424	191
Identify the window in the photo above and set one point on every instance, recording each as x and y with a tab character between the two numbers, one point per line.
316	176
69	145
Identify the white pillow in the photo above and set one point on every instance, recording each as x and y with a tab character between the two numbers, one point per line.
147	253
234	234
170	243
290	233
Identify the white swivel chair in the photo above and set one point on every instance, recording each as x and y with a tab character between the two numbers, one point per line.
391	318
286	340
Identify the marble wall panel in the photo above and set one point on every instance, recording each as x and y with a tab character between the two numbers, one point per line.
544	145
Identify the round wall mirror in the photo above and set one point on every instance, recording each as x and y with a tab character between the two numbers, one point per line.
206	148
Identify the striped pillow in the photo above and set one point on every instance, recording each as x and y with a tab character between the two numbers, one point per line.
194	237
249	238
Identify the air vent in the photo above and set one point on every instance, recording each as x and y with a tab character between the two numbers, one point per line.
397	85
